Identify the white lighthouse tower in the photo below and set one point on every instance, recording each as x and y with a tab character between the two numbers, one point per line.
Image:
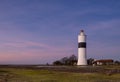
82	59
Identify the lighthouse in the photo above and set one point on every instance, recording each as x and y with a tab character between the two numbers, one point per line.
82	57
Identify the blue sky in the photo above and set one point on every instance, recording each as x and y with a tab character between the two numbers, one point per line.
41	31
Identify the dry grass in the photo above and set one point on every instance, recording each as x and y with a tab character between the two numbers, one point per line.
49	75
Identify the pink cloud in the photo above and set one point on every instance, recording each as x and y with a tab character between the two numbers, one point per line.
19	52
31	56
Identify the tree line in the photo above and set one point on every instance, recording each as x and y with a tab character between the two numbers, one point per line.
72	60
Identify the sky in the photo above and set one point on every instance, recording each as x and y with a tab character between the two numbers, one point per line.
42	31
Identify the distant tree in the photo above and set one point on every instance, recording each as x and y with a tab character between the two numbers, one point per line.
47	64
90	61
72	60
57	62
73	57
66	60
117	62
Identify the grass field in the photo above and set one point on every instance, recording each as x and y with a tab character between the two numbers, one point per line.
59	74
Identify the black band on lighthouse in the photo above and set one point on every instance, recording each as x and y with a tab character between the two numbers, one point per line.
82	45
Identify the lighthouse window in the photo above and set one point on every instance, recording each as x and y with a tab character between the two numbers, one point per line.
82	45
